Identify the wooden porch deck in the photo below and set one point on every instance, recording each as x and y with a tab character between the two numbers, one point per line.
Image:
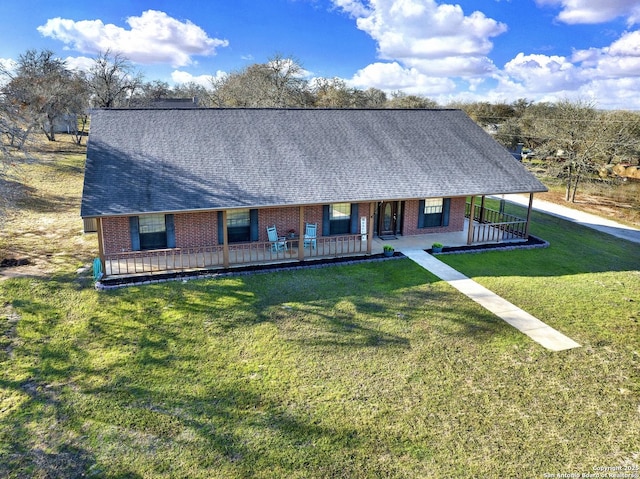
244	254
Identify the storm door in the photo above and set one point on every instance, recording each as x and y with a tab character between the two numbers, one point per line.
388	218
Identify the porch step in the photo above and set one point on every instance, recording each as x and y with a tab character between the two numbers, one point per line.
521	320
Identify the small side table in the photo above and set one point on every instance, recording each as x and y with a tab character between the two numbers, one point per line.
293	241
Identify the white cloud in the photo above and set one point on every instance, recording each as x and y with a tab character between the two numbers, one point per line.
181	77
8	64
7	68
393	77
153	37
422	29
595	11
435	49
79	63
620	59
627	45
614	93
467	67
610	75
436	40
355	8
543	73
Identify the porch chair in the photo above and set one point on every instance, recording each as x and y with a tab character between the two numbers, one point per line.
277	242
310	235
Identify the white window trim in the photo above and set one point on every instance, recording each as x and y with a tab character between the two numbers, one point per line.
433	206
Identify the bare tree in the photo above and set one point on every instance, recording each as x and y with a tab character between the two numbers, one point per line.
402	100
509	133
15	130
335	93
44	91
193	90
375	98
112	80
569	133
149	92
278	83
619	136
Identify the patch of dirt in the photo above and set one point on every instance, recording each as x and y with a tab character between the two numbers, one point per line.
13	262
614	209
29	269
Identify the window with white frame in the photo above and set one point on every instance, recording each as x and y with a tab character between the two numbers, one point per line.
339	218
434	213
153	231
433	206
239	225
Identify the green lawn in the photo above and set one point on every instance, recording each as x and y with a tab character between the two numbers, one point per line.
367	370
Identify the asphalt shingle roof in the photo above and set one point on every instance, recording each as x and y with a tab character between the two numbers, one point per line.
152	160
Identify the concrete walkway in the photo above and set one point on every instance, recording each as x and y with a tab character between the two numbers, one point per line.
516	317
585	219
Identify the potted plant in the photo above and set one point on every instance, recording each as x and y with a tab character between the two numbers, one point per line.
437	247
291	233
388	250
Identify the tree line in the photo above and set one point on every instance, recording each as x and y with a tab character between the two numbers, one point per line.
42	89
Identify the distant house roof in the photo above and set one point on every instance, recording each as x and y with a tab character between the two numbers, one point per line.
163	103
174	103
150	160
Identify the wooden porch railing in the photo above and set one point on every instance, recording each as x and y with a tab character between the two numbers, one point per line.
335	246
182	259
491	225
175	259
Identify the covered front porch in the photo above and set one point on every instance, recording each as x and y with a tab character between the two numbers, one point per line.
481	234
484	226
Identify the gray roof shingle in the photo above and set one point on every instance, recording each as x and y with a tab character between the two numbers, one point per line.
151	160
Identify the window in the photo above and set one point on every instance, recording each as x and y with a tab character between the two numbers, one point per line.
434	212
238	226
339	218
153	232
433	206
241	226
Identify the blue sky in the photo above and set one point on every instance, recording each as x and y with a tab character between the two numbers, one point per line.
486	50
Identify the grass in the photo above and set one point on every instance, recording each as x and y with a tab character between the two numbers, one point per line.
583	280
368	370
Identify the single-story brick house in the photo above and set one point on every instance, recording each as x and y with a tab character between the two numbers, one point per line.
197	188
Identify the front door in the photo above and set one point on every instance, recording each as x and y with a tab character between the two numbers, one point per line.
388	218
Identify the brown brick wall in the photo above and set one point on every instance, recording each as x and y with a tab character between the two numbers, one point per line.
289	218
283	218
196	229
456	218
116	236
201	229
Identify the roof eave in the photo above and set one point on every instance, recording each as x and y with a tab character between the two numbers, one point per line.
297	205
